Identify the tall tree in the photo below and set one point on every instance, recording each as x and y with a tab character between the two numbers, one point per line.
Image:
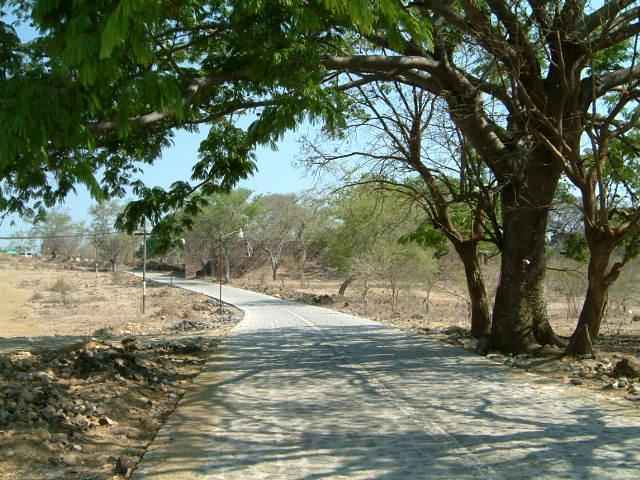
609	186
522	104
116	247
515	76
214	230
412	149
61	237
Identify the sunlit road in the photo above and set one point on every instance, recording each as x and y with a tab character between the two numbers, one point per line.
301	392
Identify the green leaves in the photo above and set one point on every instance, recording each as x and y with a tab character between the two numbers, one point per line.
427	236
575	247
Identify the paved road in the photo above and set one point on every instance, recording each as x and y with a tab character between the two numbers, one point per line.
305	393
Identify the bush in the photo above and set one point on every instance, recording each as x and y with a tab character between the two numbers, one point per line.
61	286
36	297
64	289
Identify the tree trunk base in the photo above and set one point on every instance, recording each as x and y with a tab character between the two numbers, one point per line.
344	285
484	345
580	343
546	336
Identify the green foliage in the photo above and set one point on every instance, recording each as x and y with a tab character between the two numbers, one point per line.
363	216
427	236
575	247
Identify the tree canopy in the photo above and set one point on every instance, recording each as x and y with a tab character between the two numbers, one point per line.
103	85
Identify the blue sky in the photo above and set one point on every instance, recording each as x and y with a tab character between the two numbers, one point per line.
276	171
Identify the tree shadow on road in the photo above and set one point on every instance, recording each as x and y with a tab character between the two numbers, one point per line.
352	402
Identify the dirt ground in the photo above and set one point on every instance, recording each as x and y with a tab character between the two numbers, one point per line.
86	380
445	316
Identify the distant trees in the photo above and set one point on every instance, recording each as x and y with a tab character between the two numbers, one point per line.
116	247
62	237
209	236
397	266
369	238
280	222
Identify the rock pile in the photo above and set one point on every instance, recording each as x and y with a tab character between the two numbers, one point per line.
67	401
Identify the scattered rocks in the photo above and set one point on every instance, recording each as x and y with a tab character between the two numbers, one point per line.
124	466
202	307
190	325
130	344
312	299
627	367
106	332
106	421
470	343
497	357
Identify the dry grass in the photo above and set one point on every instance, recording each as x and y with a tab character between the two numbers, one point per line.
447	306
42	299
137	398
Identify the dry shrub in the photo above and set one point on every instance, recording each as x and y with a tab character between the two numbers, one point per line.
61	286
36	297
119	278
64	289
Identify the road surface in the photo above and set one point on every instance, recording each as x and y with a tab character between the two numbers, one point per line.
306	393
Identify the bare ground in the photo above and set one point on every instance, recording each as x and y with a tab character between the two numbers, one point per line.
86	380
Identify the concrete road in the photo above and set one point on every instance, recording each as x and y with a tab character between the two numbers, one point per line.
301	392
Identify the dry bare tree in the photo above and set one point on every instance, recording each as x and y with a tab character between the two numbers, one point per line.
408	144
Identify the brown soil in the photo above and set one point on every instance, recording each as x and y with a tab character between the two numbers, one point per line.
76	407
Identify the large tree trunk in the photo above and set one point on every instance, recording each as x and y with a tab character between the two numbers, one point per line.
480	316
274	269
520	320
595	302
345	284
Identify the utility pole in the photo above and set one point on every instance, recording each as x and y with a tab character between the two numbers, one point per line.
144	265
95	245
220	273
240	233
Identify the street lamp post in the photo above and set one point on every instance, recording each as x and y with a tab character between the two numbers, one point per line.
240	233
144	266
144	263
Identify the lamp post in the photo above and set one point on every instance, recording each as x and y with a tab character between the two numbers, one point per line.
221	236
144	265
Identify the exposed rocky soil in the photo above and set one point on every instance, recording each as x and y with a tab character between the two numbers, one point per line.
86	380
89	410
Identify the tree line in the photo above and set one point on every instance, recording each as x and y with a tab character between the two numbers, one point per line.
57	236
